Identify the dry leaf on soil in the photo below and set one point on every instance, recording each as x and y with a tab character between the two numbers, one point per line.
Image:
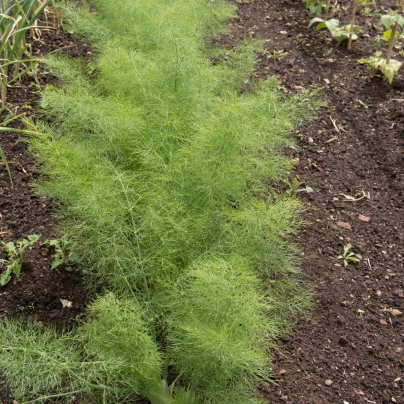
66	303
395	312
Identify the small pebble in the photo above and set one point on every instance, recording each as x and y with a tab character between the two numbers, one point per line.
383	322
328	382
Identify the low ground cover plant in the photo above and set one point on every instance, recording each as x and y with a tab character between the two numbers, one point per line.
162	165
62	252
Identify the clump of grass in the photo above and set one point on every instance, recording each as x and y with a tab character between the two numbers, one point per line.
160	161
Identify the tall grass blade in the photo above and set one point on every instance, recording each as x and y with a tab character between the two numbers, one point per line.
5	162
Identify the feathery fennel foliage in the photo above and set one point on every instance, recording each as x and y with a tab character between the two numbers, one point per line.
161	163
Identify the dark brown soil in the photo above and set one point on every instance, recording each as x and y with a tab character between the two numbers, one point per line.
350	349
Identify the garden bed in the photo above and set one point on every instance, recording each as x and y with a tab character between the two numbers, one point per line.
352	157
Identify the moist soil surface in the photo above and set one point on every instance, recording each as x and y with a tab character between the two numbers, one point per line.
350	164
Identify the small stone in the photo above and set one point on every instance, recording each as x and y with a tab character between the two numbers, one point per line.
282	372
393	400
364	218
379	293
328	382
344	225
39	324
383	322
284	398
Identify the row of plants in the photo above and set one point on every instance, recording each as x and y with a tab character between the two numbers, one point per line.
17	19
392	22
162	164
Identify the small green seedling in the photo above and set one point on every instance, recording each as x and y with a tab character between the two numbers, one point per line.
294	186
364	105
63	253
348	255
277	54
306	189
16	254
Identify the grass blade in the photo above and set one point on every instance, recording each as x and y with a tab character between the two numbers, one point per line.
5	162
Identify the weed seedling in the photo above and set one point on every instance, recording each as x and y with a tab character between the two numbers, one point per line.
63	253
348	255
277	54
16	254
294	186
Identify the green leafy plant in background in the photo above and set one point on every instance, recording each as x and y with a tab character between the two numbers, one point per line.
348	32
17	17
162	166
316	7
338	33
392	22
16	254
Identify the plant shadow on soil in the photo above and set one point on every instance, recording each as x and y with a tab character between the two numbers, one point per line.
351	337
